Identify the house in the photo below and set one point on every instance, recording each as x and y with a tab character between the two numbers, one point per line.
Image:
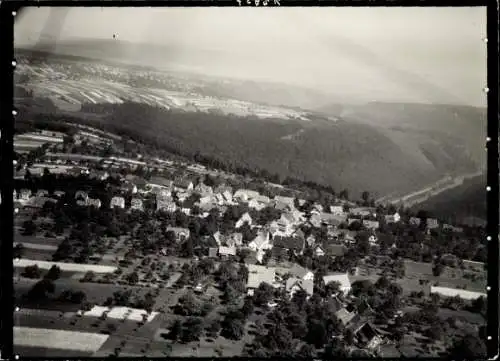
234	240
94	202
342	278
203	189
42	193
206	199
315	220
373	240
289	201
59	194
180	233
350	237
184	184
337	210
371	224
432	223
228	196
129	188
301	273
284	226
137	204
38	202
182	196
366	335
353	219
166	204
118	202
414	221
259	274
453	292
81	195
212	252
293	285
14	195
99	174
311	240
333	220
245	218
227	251
318	251
362	211
392	218
261	242
334	250
186	211
162	193
345	316
453	228
290	243
254	204
245	195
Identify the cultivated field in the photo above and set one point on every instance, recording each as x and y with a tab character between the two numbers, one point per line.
59	339
71	267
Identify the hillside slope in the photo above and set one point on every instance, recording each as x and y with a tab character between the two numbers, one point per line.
461	203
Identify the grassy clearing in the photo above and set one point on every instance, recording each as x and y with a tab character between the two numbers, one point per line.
71	267
59	339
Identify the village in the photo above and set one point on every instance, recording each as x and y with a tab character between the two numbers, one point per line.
158	257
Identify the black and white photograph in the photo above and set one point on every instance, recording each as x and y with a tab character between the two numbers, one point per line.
242	181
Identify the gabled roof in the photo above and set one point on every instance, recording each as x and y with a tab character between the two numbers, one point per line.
298	271
306	285
260	274
332	249
227	251
342	278
345	316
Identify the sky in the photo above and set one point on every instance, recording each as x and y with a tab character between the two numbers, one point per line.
425	55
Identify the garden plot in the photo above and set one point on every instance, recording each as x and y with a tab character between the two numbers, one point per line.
71	267
58	339
120	313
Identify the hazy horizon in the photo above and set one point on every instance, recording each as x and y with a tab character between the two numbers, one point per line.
421	55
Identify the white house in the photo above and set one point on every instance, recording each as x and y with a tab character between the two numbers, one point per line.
94	202
82	195
337	210
245	195
289	201
136	204
284	226
261	242
245	218
260	274
342	278
118	202
319	251
301	273
42	193
373	240
392	218
293	285
371	224
179	232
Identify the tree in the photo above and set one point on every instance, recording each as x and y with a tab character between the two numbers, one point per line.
469	347
335	349
175	330
18	251
54	273
88	277
32	272
263	294
344	194
191	329
437	269
233	329
307	351
29	228
132	278
40	290
365	196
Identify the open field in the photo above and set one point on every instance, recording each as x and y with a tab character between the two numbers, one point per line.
59	339
45	353
72	267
